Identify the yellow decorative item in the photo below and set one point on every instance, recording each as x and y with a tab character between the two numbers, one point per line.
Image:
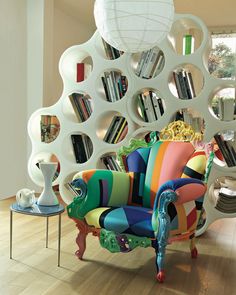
179	131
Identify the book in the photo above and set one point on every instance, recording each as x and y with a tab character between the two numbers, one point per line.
142	108
111	127
224	150
121	127
78	148
188	44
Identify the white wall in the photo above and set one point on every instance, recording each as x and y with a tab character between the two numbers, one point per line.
67	31
13	110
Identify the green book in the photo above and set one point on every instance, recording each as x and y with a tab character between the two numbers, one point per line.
188	44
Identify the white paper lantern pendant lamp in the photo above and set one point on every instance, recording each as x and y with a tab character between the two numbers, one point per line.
133	25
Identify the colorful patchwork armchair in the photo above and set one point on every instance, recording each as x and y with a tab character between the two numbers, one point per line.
156	200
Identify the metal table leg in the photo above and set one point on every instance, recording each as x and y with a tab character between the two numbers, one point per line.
11	220
59	240
47	232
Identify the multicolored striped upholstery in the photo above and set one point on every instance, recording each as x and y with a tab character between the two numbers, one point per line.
125	219
166	161
104	188
138	220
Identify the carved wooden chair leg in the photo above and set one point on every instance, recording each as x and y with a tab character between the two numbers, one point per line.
81	238
193	248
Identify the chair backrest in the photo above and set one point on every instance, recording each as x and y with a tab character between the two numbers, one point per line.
166	161
150	167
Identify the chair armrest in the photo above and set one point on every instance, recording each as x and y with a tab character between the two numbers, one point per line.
186	189
98	188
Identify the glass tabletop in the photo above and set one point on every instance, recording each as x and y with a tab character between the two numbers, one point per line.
38	210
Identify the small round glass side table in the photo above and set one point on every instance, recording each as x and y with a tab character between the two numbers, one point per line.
40	211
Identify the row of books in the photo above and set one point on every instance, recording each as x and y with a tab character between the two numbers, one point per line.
226	108
111	52
115	85
83	70
186	116
49	128
82	106
150	106
111	163
225	200
117	130
82	147
150	64
227	149
184	84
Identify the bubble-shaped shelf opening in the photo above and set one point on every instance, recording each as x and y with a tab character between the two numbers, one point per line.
105	50
113	127
76	65
45	127
222	194
82	147
186	81
223	104
148	105
109	161
68	193
77	147
77	107
148	64
112	85
43	157
186	36
192	118
225	148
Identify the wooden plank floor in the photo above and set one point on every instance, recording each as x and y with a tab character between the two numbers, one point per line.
34	268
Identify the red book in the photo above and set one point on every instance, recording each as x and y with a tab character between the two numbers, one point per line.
80	72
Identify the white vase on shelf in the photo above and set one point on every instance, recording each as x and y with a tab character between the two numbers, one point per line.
48	196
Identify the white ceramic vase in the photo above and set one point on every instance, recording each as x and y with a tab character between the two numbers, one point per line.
48	196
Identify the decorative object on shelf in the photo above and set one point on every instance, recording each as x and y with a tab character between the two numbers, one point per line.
180	130
25	198
133	26
48	197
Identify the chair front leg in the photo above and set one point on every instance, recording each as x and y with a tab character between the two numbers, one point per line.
193	248
163	231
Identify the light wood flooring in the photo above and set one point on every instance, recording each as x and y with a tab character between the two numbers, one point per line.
34	270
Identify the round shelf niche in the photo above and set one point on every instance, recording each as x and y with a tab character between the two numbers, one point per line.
112	85
148	105
45	128
222	194
186	36
186	81
223	104
148	64
224	143
77	107
77	147
109	161
76	65
105	50
66	190
42	157
112	127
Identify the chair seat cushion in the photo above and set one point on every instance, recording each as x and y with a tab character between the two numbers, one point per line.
126	219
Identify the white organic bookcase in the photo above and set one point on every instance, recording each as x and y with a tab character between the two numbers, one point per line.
96	125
